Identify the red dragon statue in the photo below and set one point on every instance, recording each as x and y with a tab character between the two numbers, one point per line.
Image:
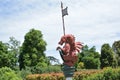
70	49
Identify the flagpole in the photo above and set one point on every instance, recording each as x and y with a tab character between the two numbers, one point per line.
63	19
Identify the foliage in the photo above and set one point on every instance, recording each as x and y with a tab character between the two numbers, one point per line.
13	49
51	76
48	69
52	59
80	65
8	74
9	53
91	63
80	75
89	57
116	49
107	73
107	56
24	72
5	57
32	50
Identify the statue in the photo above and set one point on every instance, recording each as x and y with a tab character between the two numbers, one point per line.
69	51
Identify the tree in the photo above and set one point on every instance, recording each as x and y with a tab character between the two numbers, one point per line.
107	56
90	57
32	50
116	49
53	60
9	53
4	56
13	48
91	62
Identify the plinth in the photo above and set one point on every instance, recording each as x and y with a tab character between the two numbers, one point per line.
68	71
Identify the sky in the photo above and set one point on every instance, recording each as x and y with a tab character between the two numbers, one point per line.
93	22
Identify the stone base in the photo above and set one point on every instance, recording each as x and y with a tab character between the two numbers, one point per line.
68	71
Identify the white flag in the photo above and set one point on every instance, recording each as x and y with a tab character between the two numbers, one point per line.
65	12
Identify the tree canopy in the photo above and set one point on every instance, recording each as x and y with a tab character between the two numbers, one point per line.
116	49
9	53
90	57
107	56
32	50
4	56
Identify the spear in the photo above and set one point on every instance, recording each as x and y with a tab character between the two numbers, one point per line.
64	13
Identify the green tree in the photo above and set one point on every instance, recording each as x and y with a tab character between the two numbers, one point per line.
91	62
90	57
13	48
4	55
116	49
107	56
52	59
8	53
32	50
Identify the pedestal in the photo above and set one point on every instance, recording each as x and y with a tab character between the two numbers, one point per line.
68	71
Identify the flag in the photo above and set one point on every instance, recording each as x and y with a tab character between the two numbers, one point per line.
65	12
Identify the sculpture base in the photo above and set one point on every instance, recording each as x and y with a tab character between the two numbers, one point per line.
68	71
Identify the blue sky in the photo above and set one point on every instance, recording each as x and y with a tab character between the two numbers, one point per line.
93	22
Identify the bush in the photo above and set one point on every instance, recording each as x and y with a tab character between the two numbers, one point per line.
111	74
52	76
24	72
80	65
108	73
81	75
49	69
8	74
104	74
91	63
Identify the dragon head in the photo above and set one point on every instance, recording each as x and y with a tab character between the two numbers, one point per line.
69	38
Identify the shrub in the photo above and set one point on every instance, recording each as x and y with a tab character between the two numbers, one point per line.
8	74
81	65
51	76
91	63
24	72
108	73
49	69
83	74
111	74
104	74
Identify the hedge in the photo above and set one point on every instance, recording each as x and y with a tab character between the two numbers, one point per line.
47	76
8	74
104	74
